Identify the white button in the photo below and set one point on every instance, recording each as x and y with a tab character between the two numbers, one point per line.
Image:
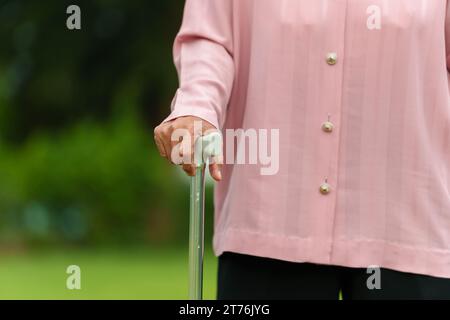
332	58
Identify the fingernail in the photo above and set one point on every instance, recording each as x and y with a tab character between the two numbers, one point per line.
219	175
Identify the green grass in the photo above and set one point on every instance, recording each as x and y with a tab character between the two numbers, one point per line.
105	274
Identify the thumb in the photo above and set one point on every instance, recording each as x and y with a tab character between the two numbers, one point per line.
216	171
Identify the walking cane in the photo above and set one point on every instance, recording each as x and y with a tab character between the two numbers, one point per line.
205	147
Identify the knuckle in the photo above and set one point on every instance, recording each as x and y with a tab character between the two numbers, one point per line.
176	124
170	127
157	131
166	130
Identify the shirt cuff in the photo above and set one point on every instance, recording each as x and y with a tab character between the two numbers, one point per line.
207	115
181	110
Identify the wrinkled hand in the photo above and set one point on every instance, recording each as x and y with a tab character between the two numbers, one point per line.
170	149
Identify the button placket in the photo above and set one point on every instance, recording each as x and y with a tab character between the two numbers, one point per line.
328	126
325	187
337	104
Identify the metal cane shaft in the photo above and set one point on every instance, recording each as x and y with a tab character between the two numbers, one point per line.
196	237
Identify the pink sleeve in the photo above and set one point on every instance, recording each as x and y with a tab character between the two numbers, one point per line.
203	56
447	35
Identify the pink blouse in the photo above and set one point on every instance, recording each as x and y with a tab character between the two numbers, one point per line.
376	71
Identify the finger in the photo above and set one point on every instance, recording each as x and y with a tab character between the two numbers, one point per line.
215	170
177	154
189	169
180	149
181	146
160	146
167	148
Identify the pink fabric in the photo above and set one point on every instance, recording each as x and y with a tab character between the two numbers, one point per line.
262	64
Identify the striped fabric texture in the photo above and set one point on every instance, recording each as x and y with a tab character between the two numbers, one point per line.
359	93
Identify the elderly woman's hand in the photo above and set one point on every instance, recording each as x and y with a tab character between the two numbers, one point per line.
168	137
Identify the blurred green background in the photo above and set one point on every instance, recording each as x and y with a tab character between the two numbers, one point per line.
81	181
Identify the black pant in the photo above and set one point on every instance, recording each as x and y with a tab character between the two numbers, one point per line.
249	277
